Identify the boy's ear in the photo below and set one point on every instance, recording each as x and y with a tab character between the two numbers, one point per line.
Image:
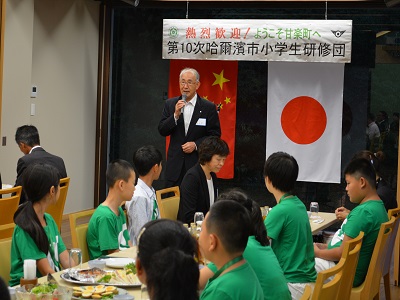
213	242
363	182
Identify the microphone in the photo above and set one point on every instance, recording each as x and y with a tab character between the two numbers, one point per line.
184	97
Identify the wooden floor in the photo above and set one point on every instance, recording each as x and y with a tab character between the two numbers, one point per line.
66	236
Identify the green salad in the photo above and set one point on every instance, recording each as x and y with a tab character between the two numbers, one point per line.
130	268
46	288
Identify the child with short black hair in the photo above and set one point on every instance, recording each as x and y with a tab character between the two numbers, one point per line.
367	216
288	225
107	230
143	206
223	239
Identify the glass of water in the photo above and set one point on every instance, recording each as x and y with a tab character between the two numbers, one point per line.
314	209
75	261
198	218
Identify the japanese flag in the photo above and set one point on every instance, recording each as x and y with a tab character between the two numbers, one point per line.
304	116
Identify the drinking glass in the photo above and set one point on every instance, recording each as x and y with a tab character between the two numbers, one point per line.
75	261
198	218
144	293
314	209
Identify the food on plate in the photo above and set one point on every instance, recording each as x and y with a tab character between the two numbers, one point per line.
45	288
130	268
95	292
121	276
41	291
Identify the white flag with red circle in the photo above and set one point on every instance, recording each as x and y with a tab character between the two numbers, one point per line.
304	116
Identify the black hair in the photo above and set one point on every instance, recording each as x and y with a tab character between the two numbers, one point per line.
282	169
27	134
258	228
116	170
370	156
167	254
361	167
145	158
396	114
210	146
231	222
4	292
371	116
37	180
384	114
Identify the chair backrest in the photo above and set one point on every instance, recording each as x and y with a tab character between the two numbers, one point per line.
369	289
168	206
5	259
56	210
329	290
307	293
351	253
389	251
9	204
6	230
79	231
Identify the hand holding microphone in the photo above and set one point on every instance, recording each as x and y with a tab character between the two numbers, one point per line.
184	97
179	106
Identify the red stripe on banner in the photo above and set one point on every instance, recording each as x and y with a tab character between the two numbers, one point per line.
219	85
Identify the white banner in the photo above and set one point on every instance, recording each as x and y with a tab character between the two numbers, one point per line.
258	40
304	117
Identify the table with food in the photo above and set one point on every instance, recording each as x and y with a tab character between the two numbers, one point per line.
112	277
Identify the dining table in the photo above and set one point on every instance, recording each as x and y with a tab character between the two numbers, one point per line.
128	253
323	221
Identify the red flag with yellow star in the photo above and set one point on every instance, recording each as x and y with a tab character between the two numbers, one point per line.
218	84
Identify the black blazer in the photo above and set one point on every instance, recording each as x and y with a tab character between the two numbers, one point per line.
176	158
194	194
38	155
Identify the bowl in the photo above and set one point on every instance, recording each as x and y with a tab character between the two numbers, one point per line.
97	263
26	293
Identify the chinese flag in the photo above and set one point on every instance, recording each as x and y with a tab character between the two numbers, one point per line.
219	85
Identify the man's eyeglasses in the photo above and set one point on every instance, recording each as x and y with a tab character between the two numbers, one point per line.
189	83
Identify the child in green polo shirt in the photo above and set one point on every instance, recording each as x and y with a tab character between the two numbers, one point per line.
367	217
288	225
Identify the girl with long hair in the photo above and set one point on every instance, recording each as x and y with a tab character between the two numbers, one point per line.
36	234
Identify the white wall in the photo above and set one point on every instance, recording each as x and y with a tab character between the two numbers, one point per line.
53	44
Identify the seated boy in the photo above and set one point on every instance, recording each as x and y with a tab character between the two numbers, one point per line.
143	207
107	231
288	225
367	217
223	238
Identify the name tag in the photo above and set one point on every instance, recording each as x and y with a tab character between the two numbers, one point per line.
201	122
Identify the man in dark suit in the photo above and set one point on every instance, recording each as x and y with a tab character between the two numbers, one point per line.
27	138
187	119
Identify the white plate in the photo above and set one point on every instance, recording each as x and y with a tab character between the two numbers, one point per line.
66	277
120	292
118	263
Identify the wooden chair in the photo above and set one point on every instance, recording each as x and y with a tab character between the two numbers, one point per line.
168	206
56	210
329	290
7	230
389	253
79	231
9	204
351	253
369	289
307	293
5	258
